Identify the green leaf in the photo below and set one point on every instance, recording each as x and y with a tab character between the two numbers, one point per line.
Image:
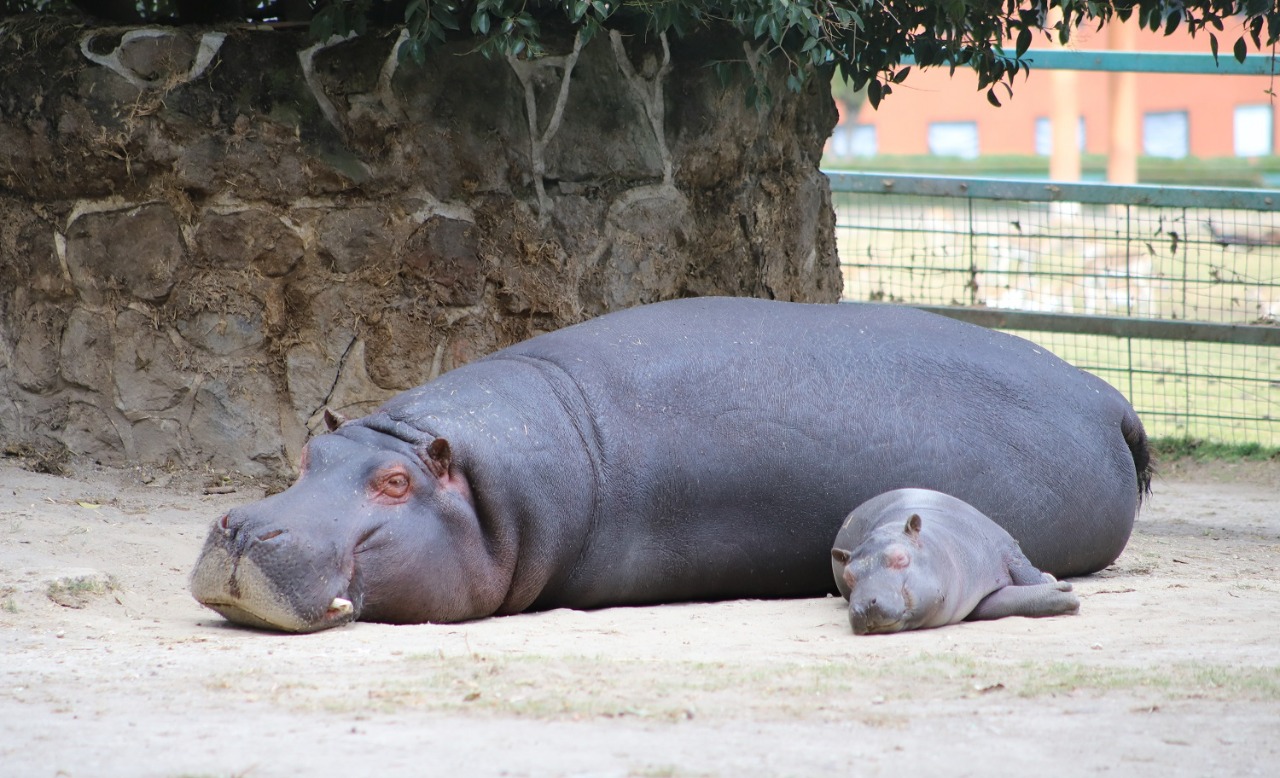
761	21
723	73
413	8
416	51
1240	49
1024	42
1213	47
874	92
991	97
901	75
446	19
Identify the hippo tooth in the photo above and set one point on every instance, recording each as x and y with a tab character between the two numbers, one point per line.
339	606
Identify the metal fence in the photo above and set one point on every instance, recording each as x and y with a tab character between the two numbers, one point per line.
1170	294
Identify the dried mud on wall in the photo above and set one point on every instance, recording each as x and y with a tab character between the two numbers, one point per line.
209	236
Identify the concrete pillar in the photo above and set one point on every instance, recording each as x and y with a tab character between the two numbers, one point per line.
1064	117
1122	151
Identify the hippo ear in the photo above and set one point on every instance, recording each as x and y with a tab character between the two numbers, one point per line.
333	420
841	556
439	458
912	528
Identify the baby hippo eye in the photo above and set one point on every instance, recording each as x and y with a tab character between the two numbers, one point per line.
897	559
394	485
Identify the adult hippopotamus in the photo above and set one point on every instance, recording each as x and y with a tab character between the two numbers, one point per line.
688	450
916	559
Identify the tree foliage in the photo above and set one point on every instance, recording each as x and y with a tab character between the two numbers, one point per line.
867	41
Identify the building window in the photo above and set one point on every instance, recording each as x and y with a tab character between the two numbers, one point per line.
1044	135
1253	130
854	140
954	139
1165	134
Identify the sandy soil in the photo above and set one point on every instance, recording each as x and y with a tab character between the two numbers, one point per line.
109	668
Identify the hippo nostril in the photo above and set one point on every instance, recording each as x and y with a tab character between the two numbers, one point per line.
275	533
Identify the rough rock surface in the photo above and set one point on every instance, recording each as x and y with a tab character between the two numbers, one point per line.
208	236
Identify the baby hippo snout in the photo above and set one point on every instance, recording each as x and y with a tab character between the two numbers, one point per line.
869	616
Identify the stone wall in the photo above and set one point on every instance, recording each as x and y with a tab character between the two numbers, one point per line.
209	236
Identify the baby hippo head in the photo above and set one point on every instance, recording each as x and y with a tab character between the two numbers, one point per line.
887	593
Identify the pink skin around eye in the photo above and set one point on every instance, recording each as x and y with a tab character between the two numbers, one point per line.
390	486
897	559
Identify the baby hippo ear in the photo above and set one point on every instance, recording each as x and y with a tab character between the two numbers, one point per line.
912	527
841	556
439	458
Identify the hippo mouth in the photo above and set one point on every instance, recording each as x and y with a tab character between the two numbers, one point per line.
340	611
877	623
242	589
884	628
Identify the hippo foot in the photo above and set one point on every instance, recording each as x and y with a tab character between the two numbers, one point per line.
1047	599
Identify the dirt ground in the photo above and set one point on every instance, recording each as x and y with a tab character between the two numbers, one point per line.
109	667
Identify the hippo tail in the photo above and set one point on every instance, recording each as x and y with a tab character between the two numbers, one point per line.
1136	437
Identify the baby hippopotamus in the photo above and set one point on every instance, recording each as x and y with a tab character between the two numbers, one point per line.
916	558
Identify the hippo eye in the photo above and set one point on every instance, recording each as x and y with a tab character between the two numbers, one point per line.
897	559
394	485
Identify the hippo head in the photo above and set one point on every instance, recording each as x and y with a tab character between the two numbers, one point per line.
884	595
374	528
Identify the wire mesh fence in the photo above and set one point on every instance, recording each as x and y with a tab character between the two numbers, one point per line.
1195	272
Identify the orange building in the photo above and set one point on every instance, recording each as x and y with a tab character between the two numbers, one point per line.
932	112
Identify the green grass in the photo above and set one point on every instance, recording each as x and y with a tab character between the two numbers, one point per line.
1168	449
1214	397
1184	680
578	687
1037	256
78	591
84	584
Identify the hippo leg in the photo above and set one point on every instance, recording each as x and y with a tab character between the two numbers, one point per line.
1046	599
1022	571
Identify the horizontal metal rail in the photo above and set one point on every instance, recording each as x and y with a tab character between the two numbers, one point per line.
1117	326
1152	62
1147	62
1055	191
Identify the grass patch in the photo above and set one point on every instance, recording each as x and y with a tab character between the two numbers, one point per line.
844	688
1144	262
78	591
9	604
1183	680
1171	449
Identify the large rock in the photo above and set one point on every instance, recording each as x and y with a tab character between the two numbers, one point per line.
208	236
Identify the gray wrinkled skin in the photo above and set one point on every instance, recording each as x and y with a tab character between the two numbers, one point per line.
917	559
697	449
